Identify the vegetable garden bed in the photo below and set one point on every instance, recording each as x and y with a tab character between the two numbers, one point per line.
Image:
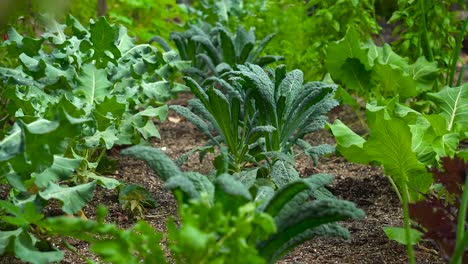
322	139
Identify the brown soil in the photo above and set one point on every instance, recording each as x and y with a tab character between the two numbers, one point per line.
364	185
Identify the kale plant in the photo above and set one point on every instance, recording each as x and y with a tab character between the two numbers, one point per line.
260	116
97	74
214	50
302	209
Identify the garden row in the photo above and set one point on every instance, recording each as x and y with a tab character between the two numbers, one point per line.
75	92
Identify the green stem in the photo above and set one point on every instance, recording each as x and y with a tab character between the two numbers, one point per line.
101	155
453	62
424	36
461	74
406	219
462	239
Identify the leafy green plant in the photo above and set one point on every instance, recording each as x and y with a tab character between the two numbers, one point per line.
143	18
228	12
32	162
214	50
430	29
441	216
297	218
304	29
21	234
135	199
97	74
405	142
112	244
376	72
261	116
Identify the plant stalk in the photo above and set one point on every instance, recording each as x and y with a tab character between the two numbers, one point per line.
455	55
462	239
406	219
426	45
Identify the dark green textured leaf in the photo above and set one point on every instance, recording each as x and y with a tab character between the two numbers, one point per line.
156	159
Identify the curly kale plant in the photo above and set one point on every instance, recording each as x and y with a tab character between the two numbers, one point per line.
214	50
260	116
302	209
95	73
77	92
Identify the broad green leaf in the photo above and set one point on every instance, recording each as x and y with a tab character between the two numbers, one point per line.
6	237
55	31
93	85
392	80
108	112
424	73
18	44
61	170
453	103
348	54
349	144
108	183
390	144
72	198
398	234
26	251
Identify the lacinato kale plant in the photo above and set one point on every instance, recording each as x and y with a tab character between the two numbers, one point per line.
215	50
259	116
302	209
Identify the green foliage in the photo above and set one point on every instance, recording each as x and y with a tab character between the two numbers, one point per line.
297	217
377	72
112	244
261	116
429	29
304	29
77	92
135	199
96	75
227	12
19	231
214	50
143	18
405	142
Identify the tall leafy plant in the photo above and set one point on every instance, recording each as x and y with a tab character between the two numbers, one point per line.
214	50
405	141
431	29
374	72
304	29
260	116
